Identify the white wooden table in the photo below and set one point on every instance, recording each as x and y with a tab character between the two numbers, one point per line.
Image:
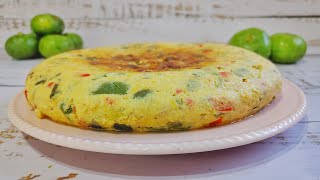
294	154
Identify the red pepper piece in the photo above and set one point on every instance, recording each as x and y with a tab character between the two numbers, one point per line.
224	74
189	102
82	124
215	122
50	84
26	93
226	109
178	91
221	105
85	75
109	101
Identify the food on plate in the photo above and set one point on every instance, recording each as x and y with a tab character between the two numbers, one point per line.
54	44
22	46
152	86
287	48
253	39
43	24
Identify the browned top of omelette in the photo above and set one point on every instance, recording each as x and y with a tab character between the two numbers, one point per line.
154	58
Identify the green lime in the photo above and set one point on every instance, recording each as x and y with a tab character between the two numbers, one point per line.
22	46
43	24
51	45
77	40
287	48
253	39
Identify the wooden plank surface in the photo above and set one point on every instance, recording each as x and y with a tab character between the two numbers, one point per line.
141	9
102	32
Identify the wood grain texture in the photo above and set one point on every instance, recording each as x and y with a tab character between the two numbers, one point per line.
102	32
141	9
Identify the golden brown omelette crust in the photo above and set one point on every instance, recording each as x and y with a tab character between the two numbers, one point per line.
152	60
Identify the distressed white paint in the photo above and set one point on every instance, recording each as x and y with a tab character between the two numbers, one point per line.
137	9
102	32
294	154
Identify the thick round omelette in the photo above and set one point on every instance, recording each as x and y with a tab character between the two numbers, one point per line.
152	86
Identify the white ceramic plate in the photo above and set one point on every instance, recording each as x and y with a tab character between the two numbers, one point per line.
286	110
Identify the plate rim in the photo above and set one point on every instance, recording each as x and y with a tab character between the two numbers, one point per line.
160	148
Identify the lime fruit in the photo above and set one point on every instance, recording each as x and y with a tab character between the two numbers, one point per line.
43	24
77	40
287	48
22	46
253	39
51	45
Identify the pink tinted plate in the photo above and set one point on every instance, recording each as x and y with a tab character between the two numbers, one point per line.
286	110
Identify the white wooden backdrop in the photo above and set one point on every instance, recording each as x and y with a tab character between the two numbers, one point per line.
294	154
201	20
